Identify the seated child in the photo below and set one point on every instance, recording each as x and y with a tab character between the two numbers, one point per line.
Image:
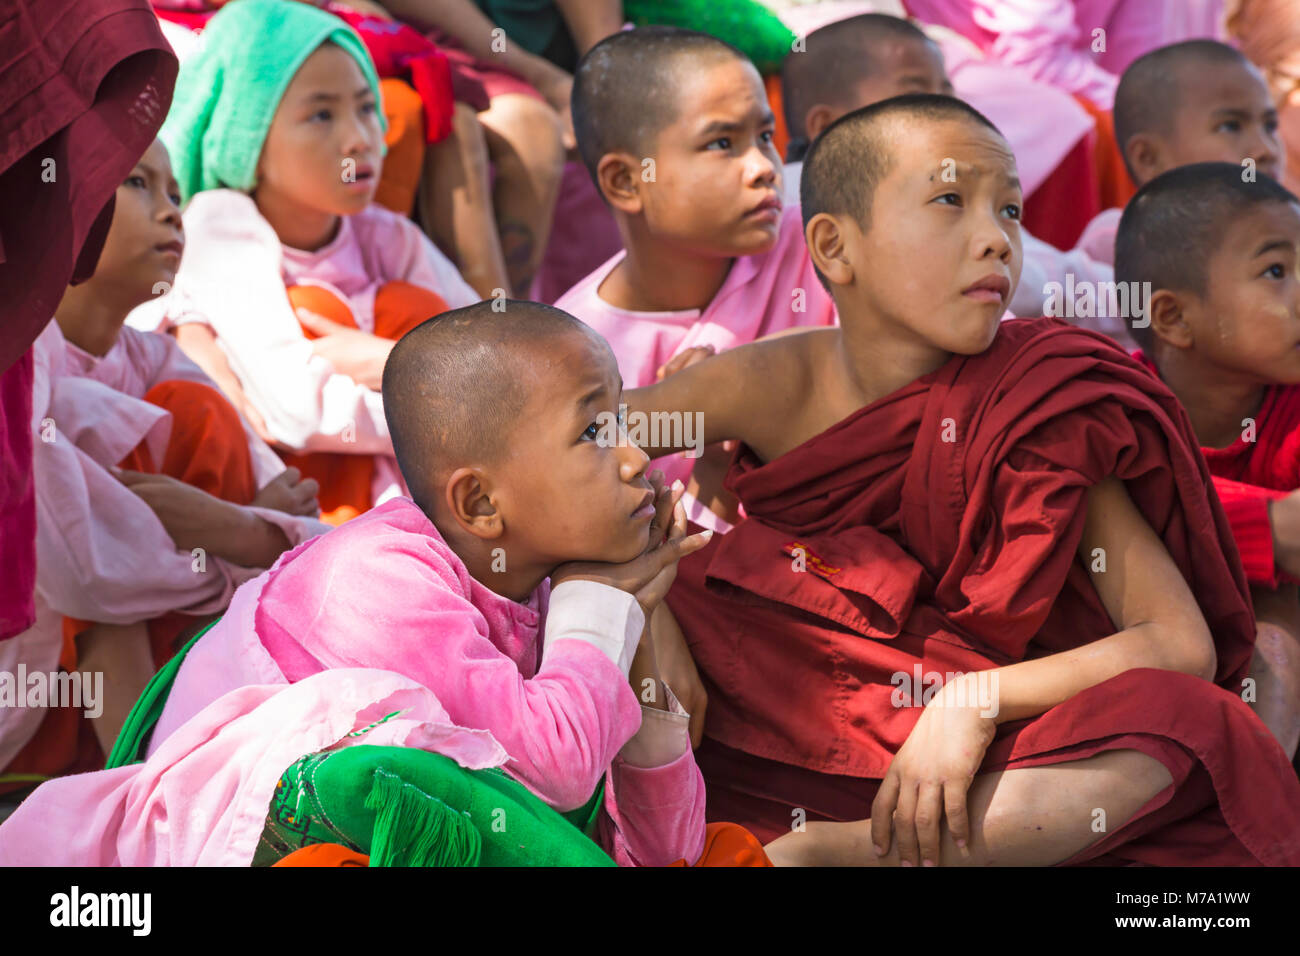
900	630
198	505
864	59
451	589
277	146
676	131
1192	102
1217	255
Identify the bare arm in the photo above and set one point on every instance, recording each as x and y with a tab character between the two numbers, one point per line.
464	21
1160	624
735	395
590	21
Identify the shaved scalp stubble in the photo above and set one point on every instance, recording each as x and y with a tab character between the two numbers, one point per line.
834	60
1149	94
454	389
625	89
850	158
1176	223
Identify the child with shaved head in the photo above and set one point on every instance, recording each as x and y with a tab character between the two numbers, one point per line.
1219	254
1192	102
862	60
982	599
676	131
516	585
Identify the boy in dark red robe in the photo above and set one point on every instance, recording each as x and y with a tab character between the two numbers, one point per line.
982	599
1216	254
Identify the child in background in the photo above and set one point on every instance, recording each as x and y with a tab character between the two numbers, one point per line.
154	501
949	628
1193	102
676	131
1219	256
864	59
296	285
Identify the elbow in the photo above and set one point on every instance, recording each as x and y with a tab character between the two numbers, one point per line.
1195	651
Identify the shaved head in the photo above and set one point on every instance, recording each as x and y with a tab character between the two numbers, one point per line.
834	61
1176	223
456	387
847	162
1149	95
625	87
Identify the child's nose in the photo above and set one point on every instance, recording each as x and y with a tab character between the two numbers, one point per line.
760	167
632	460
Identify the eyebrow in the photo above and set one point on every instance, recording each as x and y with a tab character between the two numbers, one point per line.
969	170
364	91
722	126
1273	244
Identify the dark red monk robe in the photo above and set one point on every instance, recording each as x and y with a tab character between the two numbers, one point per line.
960	556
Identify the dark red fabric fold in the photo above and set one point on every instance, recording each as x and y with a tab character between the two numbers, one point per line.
84	86
939	528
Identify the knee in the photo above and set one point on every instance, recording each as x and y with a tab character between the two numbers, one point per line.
532	130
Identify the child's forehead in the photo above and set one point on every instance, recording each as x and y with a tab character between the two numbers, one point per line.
953	150
718	84
1206	87
1260	229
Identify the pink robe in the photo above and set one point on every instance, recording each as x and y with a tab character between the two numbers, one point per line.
102	554
201	800
233	278
548	678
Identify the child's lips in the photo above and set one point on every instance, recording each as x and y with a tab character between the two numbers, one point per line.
647	507
769	210
991	288
171	248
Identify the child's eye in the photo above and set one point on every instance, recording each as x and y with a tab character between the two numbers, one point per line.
948	199
723	143
369	107
323	115
1270	125
767	135
592	432
175	198
1232	126
1012	211
135	182
1275	271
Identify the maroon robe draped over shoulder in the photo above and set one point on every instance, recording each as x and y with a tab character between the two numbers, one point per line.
84	87
938	529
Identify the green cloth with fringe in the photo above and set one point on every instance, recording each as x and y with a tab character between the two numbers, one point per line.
409	807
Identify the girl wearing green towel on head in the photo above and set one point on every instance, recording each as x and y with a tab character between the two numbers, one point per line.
295	285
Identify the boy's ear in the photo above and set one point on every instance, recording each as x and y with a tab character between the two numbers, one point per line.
619	176
471	505
1168	313
817	119
825	238
1145	157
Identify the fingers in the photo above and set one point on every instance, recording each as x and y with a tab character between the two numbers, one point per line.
316	322
909	853
882	813
929	816
954	798
290	476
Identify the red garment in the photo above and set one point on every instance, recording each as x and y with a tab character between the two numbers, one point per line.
1249	474
1066	201
84	86
957	556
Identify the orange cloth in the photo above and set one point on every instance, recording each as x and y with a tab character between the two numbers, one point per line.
1114	187
400	177
324	854
729	844
781	136
345	480
207	449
